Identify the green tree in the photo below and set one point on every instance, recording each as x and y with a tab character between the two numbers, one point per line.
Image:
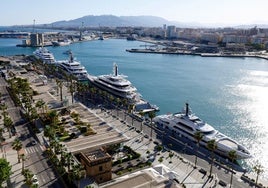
151	116
198	137
5	170
8	123
233	156
212	146
258	169
17	145
60	85
23	159
142	114
28	175
40	104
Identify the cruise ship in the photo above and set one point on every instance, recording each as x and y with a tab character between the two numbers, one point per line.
45	55
186	124
119	86
73	67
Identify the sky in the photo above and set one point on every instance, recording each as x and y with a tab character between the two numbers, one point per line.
226	12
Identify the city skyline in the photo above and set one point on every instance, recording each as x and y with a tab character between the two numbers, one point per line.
207	12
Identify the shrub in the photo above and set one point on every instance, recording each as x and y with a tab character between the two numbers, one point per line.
119	173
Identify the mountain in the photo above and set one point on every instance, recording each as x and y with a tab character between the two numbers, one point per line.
118	21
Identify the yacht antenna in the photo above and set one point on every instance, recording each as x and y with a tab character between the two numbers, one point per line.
33	26
187	109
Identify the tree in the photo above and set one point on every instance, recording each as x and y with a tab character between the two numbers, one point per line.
212	146
130	110
60	85
23	159
17	145
8	123
28	175
118	101
142	114
258	168
40	104
151	116
198	137
233	156
5	170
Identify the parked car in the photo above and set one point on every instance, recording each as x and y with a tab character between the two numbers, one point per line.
33	142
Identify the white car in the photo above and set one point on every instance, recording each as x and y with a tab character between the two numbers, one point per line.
35	180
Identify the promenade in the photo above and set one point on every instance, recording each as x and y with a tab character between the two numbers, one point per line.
181	163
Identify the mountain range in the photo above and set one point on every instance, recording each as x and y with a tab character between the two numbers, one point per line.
121	21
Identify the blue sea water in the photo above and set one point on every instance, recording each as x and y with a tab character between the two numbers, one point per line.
228	93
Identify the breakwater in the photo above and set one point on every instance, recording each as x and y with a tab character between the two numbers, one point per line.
180	52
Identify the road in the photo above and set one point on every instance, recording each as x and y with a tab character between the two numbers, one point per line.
36	161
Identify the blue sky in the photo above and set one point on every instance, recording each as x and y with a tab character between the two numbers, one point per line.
17	12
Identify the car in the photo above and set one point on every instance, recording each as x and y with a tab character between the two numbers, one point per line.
33	142
146	136
35	180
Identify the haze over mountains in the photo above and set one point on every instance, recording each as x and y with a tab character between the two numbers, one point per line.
138	21
144	21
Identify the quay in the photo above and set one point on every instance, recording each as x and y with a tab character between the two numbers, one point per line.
181	52
114	125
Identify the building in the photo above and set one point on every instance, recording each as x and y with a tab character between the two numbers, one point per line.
157	176
171	32
37	39
98	164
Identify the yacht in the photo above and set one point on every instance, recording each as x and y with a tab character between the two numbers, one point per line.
186	124
73	67
45	55
61	42
118	85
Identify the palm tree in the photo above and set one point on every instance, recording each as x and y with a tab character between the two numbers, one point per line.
23	159
40	104
233	156
1	134
212	146
17	145
8	123
76	174
60	85
118	101
258	168
142	114
198	137
151	116
130	110
28	177
69	160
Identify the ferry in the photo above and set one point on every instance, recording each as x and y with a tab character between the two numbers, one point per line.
186	124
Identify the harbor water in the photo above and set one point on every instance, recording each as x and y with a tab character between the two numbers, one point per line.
228	93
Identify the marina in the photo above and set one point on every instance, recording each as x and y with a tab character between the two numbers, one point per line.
230	96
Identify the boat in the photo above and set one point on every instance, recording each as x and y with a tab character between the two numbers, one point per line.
186	124
45	55
73	67
67	52
61	42
118	85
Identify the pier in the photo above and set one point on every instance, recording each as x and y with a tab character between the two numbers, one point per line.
181	52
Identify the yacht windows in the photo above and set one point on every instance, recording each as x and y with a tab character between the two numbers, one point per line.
185	126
